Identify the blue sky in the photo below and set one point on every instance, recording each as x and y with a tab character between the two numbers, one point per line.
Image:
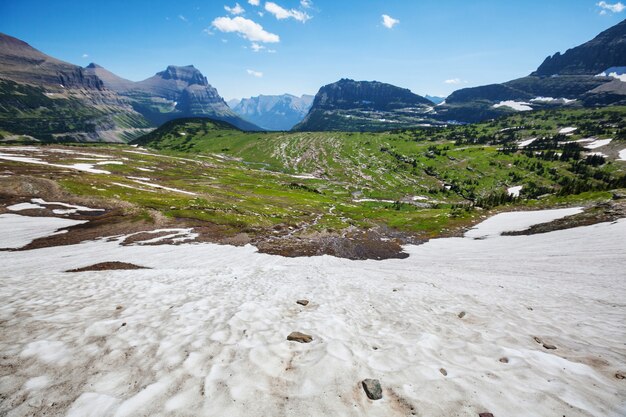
429	46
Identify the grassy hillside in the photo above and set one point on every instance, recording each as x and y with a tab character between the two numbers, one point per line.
414	180
408	183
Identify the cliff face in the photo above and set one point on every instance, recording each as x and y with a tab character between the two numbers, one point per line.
365	106
176	92
349	94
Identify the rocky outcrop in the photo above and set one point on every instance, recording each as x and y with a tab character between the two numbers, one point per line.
365	106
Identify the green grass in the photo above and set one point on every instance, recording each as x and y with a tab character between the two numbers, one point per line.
257	181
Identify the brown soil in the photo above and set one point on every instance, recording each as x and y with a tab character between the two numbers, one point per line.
108	266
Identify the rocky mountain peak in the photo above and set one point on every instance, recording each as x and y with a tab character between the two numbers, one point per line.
188	74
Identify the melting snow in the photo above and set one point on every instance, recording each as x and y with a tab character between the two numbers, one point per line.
515	105
18	231
526	142
598	143
567	130
618	73
205	329
79	167
622	155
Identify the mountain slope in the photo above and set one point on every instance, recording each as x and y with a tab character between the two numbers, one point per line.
173	93
365	106
274	112
51	100
606	50
575	78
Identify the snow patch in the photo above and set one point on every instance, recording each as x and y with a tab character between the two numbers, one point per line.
517	221
598	143
566	130
18	231
515	105
619	73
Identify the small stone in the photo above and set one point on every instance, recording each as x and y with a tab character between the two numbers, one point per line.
549	346
485	415
299	337
538	340
303	302
443	372
123	324
504	360
462	314
620	375
119	307
372	389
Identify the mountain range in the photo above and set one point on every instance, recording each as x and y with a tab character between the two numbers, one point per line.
578	77
52	100
176	92
280	112
49	99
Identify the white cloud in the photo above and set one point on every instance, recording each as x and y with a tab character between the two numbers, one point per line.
254	2
85	56
256	47
307	4
389	22
246	28
234	10
183	18
281	13
453	81
255	73
613	8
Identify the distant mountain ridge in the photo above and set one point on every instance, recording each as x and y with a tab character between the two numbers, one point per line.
365	105
606	50
278	112
176	92
575	78
52	100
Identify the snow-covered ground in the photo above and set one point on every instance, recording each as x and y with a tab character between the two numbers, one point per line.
515	105
567	130
598	143
204	331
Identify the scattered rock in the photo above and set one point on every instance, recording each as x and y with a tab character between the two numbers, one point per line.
108	266
529	308
123	324
485	415
620	375
119	307
303	302
538	340
504	360
443	372
462	314
549	346
299	337
372	389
